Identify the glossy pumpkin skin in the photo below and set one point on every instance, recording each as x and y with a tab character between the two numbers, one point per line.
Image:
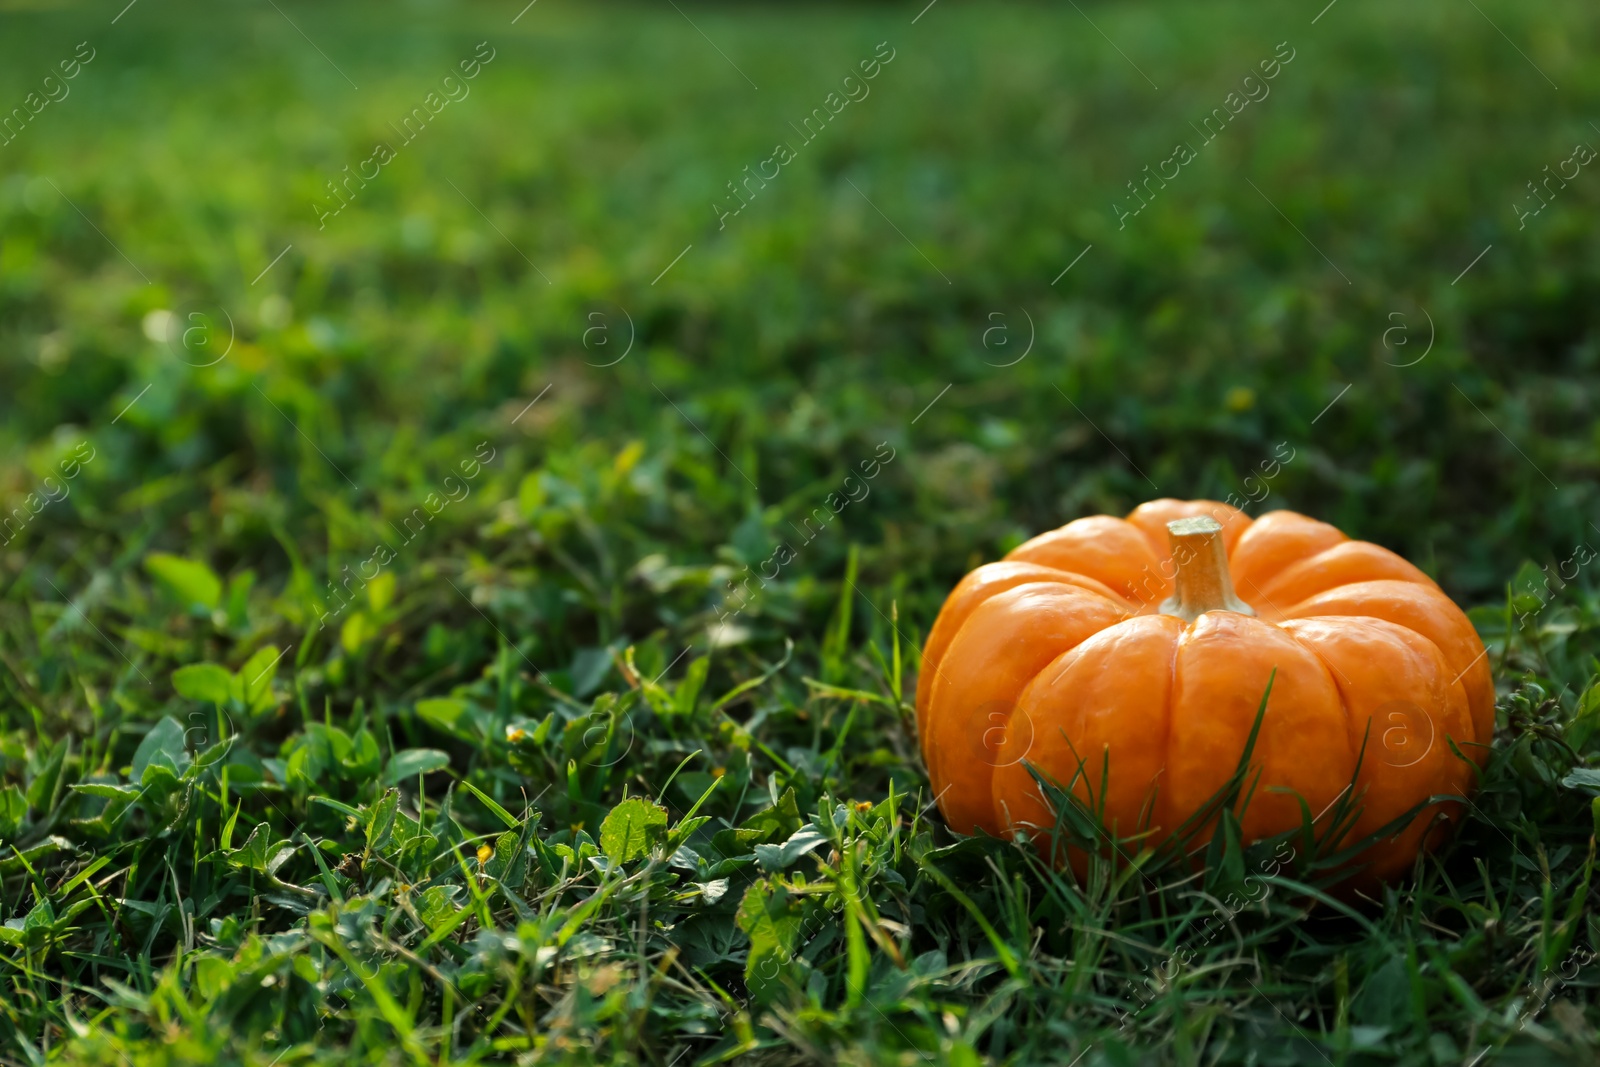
1061	648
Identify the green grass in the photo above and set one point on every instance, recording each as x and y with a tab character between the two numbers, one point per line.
242	816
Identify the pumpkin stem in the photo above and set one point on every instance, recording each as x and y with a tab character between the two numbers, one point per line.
1202	582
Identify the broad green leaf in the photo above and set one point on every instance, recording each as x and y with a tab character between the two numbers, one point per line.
1587	778
159	781
189	580
1587	719
631	829
163	744
506	852
13	863
380	591
253	853
712	891
409	763
436	905
442	712
411	841
781	820
213	975
771	916
589	668
357	630
321	750
363	759
205	682
1531	589
40	917
279	854
380	820
777	857
530	494
688	690
255	678
13	808
305	767
237	599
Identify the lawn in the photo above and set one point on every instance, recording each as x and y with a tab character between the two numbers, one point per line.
428	628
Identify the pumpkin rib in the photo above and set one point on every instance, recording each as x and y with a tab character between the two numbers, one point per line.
1347	696
1007	639
1277	540
1343	564
1225	662
1415	678
1470	739
1109	550
1341	681
1334	676
985	582
1005	725
1435	616
1077	708
1164	802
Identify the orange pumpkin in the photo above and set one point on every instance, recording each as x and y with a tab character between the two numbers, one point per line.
1124	638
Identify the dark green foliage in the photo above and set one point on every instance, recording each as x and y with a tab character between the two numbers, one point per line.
394	671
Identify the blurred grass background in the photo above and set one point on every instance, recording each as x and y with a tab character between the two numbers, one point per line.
996	142
1244	309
